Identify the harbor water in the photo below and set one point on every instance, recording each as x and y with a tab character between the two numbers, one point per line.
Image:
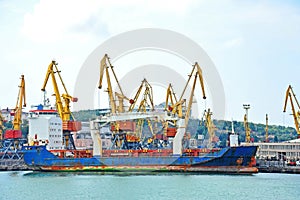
36	185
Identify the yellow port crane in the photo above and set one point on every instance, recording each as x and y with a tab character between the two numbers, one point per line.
170	96
62	104
105	65
246	124
267	128
296	113
120	107
247	129
146	102
106	68
147	96
197	73
210	127
176	106
1	126
21	102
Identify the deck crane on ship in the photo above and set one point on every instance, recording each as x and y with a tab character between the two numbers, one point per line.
124	130
170	97
62	105
118	127
182	122
116	118
146	104
177	107
174	107
147	96
296	113
105	65
197	73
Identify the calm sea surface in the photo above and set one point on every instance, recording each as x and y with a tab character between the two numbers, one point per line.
29	185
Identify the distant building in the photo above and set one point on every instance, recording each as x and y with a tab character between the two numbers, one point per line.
8	114
288	150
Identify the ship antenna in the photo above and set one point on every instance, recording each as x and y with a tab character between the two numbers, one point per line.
232	127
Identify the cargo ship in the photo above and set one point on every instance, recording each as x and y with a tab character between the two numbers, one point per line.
120	141
225	160
170	156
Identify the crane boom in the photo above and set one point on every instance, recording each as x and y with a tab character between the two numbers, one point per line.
296	114
210	127
189	107
1	126
137	94
105	65
247	129
62	104
199	70
148	94
21	102
199	73
267	128
170	96
59	105
176	107
121	101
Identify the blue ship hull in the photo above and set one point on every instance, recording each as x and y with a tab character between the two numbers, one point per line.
227	160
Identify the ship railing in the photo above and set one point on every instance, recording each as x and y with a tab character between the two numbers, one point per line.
156	152
82	153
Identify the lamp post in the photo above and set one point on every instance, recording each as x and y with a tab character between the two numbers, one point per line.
246	124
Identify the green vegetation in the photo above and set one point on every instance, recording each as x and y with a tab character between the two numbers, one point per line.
276	133
195	127
85	115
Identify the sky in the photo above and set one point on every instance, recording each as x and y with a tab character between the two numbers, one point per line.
254	45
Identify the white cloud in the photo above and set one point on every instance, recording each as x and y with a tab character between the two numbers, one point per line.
239	36
51	20
234	42
55	20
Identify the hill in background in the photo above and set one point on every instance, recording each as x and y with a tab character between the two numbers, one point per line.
223	127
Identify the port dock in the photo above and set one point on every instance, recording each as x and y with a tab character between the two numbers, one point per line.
13	165
268	166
